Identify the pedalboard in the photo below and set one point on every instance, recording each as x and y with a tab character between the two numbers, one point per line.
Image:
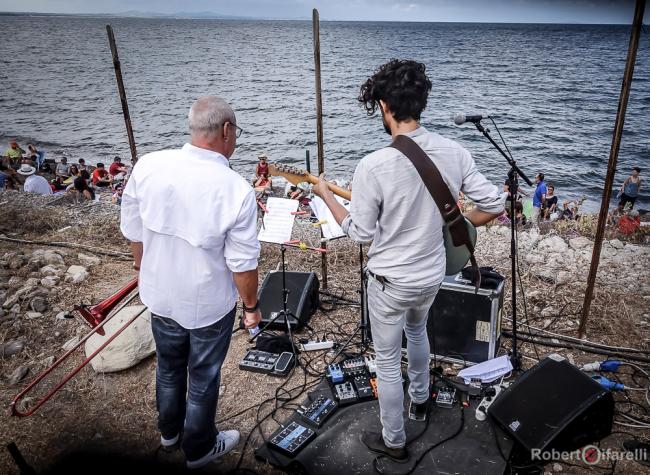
345	393
371	364
267	363
446	397
335	373
318	411
259	361
291	439
364	388
354	367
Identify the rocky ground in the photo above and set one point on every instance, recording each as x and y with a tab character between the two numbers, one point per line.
55	255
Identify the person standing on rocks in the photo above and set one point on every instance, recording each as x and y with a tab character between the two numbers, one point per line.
538	198
391	207
630	189
192	222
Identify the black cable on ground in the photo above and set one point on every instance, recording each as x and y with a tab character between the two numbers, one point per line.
523	336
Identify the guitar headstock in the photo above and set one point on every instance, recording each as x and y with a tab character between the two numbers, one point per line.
292	174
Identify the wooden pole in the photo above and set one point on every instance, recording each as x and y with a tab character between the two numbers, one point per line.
613	158
120	87
319	128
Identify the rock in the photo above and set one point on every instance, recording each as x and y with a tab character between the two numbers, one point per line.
47	256
17	262
33	315
49	361
132	346
553	244
57	334
89	261
15	309
68	345
548	312
38	304
18	375
557	467
616	244
580	242
50	281
14	281
76	274
50	270
11	348
11	301
563	277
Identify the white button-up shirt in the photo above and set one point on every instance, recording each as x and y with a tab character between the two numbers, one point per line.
37	184
392	207
197	220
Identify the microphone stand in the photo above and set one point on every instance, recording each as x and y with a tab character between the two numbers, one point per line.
513	188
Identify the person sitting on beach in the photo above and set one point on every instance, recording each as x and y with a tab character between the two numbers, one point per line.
295	193
117	170
550	202
101	177
630	189
57	184
82	165
34	183
14	153
263	183
262	168
116	199
570	208
62	169
81	187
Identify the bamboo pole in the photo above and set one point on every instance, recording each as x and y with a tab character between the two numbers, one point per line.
120	87
319	127
613	158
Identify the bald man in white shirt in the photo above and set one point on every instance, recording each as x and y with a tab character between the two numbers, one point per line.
192	223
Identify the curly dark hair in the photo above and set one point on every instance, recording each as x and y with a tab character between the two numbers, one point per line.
402	84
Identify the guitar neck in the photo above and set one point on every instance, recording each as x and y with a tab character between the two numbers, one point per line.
337	190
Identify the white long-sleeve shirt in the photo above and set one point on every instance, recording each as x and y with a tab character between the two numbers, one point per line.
197	220
392	207
37	184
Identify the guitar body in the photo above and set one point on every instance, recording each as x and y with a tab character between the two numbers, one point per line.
457	256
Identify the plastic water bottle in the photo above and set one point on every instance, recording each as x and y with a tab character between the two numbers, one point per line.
254	331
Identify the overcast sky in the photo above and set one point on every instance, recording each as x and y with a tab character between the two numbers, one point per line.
525	11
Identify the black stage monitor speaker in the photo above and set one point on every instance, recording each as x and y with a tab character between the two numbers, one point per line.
302	300
554	406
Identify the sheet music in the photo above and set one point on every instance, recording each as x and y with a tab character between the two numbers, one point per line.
278	221
331	229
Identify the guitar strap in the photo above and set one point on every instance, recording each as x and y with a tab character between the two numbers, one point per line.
440	193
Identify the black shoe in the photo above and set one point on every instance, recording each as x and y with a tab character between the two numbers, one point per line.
375	443
419	412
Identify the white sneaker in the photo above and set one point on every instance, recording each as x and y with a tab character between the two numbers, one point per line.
226	441
170	444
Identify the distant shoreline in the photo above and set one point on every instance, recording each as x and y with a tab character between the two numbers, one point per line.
215	16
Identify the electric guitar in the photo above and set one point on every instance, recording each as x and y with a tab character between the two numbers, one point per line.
457	256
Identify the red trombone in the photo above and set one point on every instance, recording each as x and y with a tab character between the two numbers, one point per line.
96	316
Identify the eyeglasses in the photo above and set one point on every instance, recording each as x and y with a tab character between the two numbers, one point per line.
238	130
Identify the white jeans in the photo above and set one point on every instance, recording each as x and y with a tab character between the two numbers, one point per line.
536	215
393	309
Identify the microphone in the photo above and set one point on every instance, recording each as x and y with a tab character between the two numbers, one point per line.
460	119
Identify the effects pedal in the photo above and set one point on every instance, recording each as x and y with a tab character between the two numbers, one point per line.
284	364
259	361
482	409
446	397
373	384
354	367
364	388
318	411
291	439
371	364
345	393
335	373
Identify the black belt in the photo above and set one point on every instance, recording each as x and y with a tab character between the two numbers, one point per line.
379	278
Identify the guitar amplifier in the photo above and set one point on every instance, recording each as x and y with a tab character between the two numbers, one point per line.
463	326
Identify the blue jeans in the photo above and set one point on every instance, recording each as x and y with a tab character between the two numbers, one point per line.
200	352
